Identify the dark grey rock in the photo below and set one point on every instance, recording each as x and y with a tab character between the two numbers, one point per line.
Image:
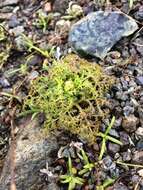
96	34
128	110
13	22
4	82
130	123
140	80
140	145
124	138
138	157
113	133
127	155
113	148
33	150
139	14
139	45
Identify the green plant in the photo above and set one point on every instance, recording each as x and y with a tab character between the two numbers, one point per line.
31	46
129	164
71	96
43	20
73	11
5	46
87	165
23	69
106	137
70	177
106	183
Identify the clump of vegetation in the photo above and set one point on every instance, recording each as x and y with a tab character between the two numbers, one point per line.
71	95
43	20
5	46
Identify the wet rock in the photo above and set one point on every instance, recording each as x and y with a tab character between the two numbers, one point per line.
140	80
33	150
4	3
113	148
96	34
138	157
130	123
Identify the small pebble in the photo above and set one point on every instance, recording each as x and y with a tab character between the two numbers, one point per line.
130	123
113	148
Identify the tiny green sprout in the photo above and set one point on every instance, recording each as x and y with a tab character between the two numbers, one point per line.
106	183
43	20
87	165
70	177
22	70
73	11
31	46
106	137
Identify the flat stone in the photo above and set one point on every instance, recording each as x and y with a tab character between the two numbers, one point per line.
95	34
33	150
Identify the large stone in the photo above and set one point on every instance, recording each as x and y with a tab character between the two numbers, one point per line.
96	33
33	151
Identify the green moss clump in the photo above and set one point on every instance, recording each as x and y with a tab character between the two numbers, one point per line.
71	96
5	46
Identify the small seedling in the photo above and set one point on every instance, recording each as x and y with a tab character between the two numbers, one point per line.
73	11
87	165
106	183
31	46
70	177
43	20
106	137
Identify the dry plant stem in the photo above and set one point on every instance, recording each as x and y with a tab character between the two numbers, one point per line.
12	153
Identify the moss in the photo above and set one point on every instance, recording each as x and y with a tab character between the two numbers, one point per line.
5	46
71	96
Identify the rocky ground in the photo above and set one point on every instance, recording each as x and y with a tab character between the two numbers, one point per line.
19	66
